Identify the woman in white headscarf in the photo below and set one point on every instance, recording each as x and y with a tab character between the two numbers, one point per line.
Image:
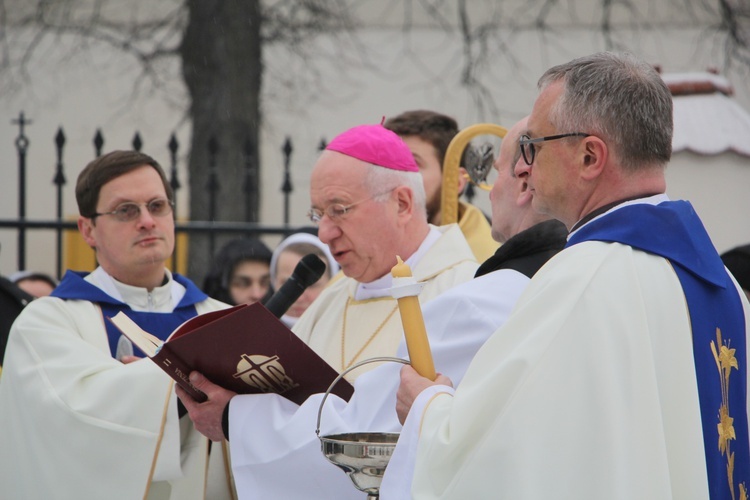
285	258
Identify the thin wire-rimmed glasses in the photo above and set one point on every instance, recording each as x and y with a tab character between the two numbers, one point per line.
130	211
337	211
528	151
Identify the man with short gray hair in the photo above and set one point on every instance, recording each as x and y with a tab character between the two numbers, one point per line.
623	370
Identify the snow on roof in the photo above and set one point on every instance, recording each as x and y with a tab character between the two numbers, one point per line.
697	83
707	120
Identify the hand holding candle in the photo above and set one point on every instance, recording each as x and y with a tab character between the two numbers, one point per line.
406	290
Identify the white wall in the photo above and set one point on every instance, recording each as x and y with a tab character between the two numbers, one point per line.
718	189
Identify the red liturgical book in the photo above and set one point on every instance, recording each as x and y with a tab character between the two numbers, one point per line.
245	349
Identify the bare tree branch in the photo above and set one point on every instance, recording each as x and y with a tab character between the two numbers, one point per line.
735	20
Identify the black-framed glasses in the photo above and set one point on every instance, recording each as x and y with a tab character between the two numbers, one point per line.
130	211
337	211
528	151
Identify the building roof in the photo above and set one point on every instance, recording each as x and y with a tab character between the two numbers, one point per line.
707	120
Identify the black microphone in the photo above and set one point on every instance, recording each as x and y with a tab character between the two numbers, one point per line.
308	271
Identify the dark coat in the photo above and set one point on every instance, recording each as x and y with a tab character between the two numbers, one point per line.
12	301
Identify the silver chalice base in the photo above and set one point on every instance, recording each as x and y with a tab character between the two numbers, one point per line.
362	455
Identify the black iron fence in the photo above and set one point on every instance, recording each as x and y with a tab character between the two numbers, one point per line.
212	228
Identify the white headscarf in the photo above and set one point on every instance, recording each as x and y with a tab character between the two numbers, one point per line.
298	238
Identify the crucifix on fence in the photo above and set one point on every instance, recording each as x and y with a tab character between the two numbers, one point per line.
22	145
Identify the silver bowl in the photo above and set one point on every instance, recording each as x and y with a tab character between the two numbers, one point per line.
362	455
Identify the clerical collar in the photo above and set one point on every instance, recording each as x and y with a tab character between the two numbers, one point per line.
381	287
161	299
651	199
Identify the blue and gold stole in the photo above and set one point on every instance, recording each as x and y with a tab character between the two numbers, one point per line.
160	324
673	230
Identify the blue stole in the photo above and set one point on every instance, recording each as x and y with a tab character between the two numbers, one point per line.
160	324
673	230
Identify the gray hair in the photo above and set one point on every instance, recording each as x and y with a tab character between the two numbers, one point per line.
381	181
620	99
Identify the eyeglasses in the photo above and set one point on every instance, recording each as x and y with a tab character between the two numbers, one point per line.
127	212
528	151
337	211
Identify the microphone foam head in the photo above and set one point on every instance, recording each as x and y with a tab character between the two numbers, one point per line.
310	269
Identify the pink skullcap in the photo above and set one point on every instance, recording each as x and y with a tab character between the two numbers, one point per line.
377	145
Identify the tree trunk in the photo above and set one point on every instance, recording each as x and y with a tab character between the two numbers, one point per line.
221	65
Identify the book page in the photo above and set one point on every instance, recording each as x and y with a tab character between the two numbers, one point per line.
202	319
144	340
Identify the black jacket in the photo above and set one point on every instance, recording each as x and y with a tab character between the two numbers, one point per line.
527	251
12	301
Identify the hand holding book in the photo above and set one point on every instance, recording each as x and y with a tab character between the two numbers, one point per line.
244	349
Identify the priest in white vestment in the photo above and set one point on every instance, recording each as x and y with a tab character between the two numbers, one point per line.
273	439
80	415
368	201
622	371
